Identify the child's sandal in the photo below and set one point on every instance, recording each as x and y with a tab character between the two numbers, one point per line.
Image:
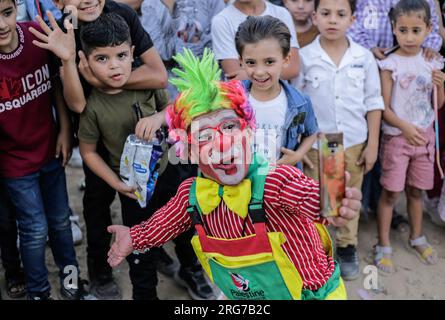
383	263
427	255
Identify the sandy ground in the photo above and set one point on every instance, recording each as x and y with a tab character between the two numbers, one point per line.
412	279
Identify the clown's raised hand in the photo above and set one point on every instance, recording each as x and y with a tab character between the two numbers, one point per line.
351	205
54	39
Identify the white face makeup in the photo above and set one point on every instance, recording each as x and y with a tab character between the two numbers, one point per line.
225	158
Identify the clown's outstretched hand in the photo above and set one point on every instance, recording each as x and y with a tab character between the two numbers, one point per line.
122	245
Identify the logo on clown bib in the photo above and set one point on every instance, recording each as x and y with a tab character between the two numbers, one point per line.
240	283
243	288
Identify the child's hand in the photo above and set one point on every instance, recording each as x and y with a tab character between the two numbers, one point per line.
289	157
146	127
413	135
438	78
63	145
429	54
307	162
60	43
351	205
128	191
85	71
122	246
368	158
378	53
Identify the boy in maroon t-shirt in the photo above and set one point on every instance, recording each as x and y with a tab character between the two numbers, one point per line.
33	151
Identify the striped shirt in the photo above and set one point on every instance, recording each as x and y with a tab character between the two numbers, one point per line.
291	203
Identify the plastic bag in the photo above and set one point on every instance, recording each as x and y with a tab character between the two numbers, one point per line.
139	165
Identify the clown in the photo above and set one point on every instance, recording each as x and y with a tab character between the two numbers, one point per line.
259	230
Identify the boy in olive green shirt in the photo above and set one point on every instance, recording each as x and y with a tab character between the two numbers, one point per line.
108	119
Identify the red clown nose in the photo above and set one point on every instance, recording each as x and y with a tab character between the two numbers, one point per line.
223	142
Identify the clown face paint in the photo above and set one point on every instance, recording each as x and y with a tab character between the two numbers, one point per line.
225	158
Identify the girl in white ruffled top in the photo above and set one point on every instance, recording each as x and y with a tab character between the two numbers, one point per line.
408	142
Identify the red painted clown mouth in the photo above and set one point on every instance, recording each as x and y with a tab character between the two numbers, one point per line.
229	167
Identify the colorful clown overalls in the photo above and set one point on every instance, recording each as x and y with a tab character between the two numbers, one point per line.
255	267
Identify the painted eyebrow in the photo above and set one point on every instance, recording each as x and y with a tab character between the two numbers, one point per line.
224	118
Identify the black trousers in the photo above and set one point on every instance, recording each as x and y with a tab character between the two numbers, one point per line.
8	237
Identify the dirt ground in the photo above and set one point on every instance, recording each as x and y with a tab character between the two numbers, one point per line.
412	279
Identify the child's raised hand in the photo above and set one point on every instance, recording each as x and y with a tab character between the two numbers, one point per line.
368	158
60	43
413	135
438	78
289	157
146	127
122	246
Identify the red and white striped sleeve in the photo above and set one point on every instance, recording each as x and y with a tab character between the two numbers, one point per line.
165	224
288	188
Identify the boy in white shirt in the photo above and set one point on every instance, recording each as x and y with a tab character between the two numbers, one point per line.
342	80
224	27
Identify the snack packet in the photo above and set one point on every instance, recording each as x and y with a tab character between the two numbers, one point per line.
139	165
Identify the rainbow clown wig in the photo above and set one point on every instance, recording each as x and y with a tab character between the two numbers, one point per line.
201	92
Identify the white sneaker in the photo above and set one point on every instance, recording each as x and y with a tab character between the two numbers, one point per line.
76	159
75	229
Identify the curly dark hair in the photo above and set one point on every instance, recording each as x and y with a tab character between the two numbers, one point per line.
108	30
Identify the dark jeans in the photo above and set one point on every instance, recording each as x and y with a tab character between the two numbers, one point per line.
8	237
41	203
166	188
96	201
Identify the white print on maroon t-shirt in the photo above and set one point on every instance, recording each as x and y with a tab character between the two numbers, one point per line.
19	92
